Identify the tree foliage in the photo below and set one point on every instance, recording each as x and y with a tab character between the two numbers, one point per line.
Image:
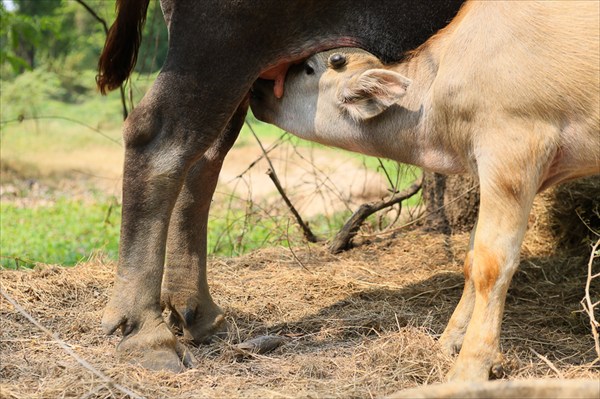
63	35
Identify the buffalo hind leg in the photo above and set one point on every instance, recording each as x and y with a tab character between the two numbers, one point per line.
185	289
163	139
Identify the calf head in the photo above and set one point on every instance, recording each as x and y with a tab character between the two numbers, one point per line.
331	97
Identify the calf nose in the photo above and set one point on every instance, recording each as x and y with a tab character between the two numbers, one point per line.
261	96
261	89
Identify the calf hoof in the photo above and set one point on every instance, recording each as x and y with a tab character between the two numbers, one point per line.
451	343
476	369
497	369
497	372
200	324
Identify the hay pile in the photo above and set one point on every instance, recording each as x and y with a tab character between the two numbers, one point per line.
359	324
566	218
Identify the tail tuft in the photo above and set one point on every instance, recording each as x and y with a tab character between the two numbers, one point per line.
122	44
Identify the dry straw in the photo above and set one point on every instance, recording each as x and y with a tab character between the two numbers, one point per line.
359	324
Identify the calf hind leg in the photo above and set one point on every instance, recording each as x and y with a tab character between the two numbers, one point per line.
185	289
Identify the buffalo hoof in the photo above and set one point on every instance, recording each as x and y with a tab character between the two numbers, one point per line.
150	344
162	359
158	360
199	324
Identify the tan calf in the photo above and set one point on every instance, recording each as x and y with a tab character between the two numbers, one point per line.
508	91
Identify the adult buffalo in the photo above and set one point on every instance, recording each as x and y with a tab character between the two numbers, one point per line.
177	137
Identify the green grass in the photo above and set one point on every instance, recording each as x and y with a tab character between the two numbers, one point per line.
68	231
65	232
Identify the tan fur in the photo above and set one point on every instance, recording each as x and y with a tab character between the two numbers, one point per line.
487	271
510	92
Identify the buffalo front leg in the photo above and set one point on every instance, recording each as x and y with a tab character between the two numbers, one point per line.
149	193
185	290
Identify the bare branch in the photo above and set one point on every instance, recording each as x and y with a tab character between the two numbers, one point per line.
93	14
308	234
105	27
342	239
257	160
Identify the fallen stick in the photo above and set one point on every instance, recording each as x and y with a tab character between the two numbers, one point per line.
341	241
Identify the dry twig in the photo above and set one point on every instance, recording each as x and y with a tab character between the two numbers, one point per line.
308	234
548	362
109	381
587	303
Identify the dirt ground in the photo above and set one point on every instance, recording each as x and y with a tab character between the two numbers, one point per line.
319	181
360	324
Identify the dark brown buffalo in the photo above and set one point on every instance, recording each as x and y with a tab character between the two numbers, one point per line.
177	137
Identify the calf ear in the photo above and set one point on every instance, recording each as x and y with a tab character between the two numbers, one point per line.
372	92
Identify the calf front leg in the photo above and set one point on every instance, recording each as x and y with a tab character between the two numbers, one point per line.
452	338
495	259
508	185
185	288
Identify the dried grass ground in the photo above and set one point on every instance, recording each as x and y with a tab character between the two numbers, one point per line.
360	324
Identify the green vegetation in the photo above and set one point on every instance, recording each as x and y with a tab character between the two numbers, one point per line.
64	35
64	232
56	129
68	231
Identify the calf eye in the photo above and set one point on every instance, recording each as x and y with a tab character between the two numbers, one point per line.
337	60
308	69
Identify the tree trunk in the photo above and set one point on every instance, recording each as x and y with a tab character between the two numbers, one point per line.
451	202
